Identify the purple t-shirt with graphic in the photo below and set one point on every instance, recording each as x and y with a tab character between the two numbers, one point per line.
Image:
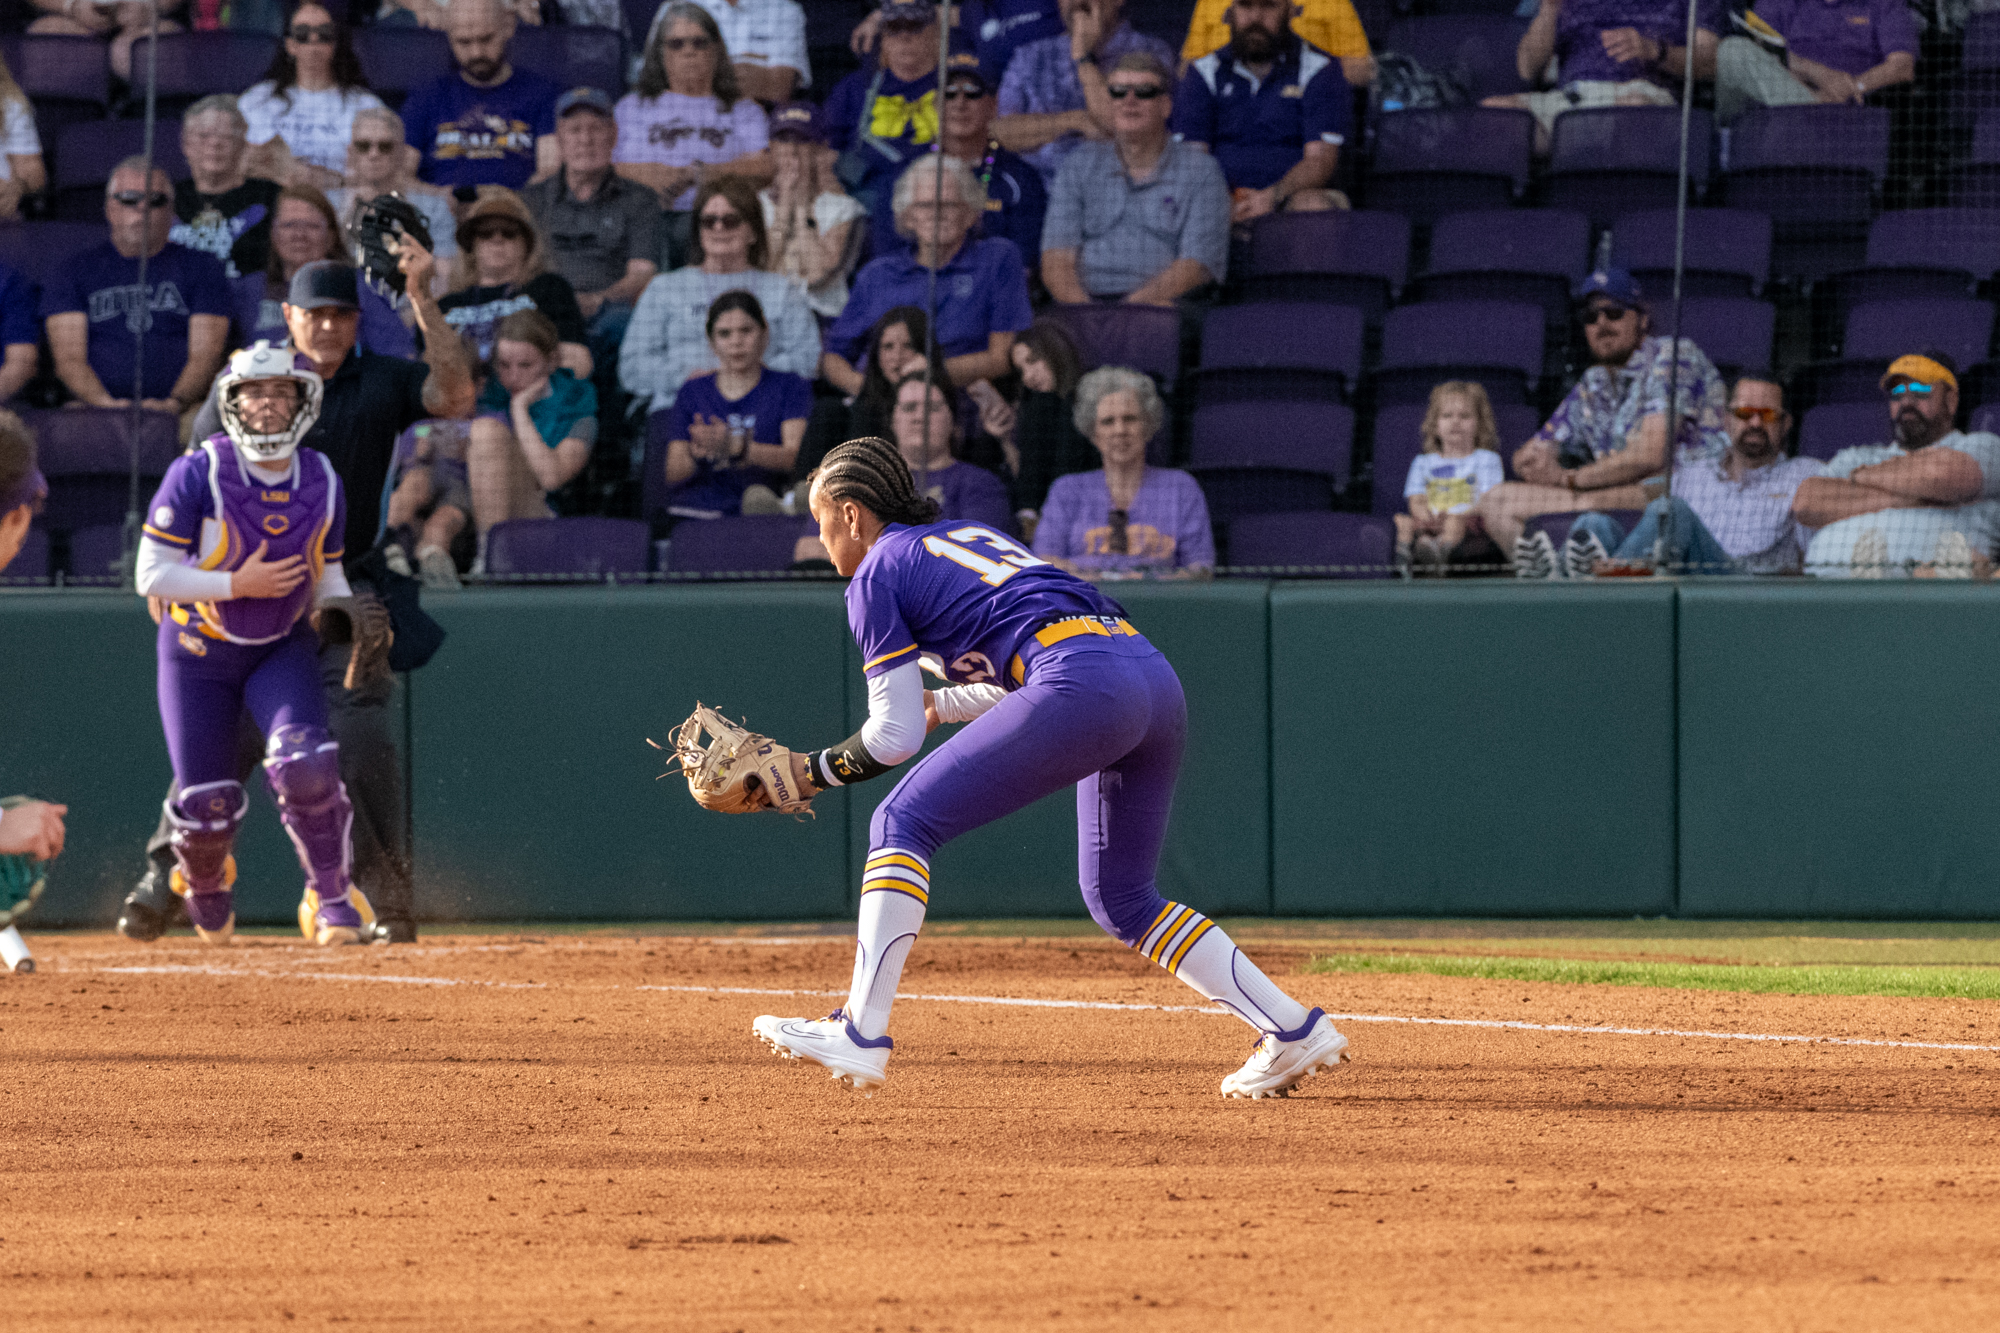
675	130
480	136
103	284
212	507
1580	47
1165	529
964	592
716	489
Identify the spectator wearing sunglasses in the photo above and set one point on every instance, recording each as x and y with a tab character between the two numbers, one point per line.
301	116
885	117
1055	94
1143	218
87	304
766	41
667	340
485	123
502	269
686	120
1929	498
1017	202
379	163
1605	445
1272	109
224	211
1731	515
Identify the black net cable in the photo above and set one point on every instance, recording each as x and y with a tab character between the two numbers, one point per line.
140	319
1663	543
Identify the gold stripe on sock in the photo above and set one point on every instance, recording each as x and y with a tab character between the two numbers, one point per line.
1193	935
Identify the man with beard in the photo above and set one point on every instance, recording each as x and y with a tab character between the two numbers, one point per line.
1273	109
1930	499
1730	515
485	123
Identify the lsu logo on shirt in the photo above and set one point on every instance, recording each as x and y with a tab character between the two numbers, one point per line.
191	643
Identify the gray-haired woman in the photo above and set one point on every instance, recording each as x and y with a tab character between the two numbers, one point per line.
686	120
1126	520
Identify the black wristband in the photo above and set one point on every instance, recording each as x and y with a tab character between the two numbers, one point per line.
850	762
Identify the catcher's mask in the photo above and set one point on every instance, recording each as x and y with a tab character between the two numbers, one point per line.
384	216
267	361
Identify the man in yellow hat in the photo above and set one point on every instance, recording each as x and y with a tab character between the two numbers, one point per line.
1930	498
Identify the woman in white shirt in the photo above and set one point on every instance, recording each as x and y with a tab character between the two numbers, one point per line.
21	169
687	120
303	112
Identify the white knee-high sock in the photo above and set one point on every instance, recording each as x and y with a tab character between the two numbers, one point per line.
1200	953
895	889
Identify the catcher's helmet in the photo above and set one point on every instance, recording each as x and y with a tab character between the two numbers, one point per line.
266	361
384	216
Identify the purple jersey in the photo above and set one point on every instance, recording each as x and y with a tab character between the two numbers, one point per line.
213	507
962	592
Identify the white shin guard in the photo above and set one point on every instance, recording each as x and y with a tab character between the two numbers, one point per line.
1201	954
894	894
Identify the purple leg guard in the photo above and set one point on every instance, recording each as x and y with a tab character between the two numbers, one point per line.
204	819
302	766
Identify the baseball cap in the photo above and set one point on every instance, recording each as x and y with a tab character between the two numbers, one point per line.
323	282
797	120
587	99
963	66
1614	284
907	11
1922	369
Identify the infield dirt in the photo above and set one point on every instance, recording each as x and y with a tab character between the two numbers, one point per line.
270	1135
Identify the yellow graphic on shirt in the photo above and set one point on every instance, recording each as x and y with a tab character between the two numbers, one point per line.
892	115
1143	541
1444	494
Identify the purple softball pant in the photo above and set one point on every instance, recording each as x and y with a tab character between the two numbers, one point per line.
206	684
1104	715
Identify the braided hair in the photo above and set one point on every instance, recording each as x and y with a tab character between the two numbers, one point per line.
871	472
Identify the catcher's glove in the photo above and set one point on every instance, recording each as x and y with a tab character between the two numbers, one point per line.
22	879
384	216
738	772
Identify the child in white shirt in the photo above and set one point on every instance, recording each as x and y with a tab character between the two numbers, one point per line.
1459	464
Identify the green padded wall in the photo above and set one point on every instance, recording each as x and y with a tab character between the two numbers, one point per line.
1217	850
536	790
1838	750
1488	749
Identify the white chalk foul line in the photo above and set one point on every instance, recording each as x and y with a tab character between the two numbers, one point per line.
190	969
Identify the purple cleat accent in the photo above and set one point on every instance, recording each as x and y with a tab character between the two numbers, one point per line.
213	915
338	923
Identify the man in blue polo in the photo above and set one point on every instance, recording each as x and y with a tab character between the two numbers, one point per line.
1273	109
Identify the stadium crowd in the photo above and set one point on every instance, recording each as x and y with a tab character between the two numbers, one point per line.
1057	268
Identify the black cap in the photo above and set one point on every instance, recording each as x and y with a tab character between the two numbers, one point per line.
323	282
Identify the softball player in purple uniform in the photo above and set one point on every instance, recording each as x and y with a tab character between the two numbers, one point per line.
243	541
1059	690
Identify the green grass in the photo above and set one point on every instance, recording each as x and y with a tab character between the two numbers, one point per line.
1953	983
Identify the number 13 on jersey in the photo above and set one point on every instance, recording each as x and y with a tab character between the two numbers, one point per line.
1014	557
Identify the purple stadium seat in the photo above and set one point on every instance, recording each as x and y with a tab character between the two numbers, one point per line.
96	553
1280	349
1318	543
1358	258
1728	251
399	59
1521	254
746	545
195	64
1888	329
1436	161
1858	380
31	562
1815	170
1474	50
87	455
66	79
87	152
1399	438
1976	183
1260	457
1974	88
1735	331
1146	338
572	57
1831	427
37	249
1987	418
1611	160
1913	253
558	548
1498	343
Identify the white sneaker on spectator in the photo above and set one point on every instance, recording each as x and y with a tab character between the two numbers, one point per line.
398	561
1581	553
1535	556
762	500
1871	555
435	565
1953	557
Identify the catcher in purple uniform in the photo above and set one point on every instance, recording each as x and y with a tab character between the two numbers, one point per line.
243	540
1059	690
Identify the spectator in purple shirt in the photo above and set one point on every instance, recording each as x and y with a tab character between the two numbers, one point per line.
485	123
1054	96
1126	520
928	436
1834	51
1610	53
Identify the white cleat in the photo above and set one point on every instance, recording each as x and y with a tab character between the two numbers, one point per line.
833	1042
1283	1061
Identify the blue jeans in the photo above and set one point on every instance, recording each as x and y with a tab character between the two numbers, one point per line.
1691	547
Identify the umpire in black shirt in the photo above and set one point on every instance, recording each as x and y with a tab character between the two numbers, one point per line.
368	401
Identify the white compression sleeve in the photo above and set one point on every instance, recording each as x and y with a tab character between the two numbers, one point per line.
895	727
962	703
160	573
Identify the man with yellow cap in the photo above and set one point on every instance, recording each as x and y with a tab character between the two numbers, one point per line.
1931	498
